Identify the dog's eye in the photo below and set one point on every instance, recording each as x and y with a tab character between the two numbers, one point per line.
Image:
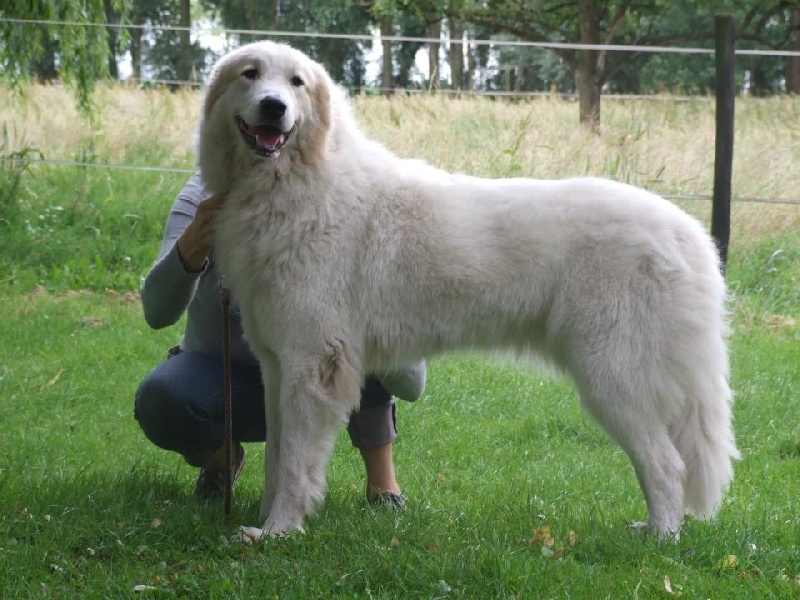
251	73
297	81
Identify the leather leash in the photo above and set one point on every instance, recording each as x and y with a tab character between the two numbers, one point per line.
225	296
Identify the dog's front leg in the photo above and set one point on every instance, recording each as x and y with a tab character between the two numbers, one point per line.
271	378
270	373
318	392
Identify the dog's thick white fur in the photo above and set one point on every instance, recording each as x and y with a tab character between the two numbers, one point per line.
346	259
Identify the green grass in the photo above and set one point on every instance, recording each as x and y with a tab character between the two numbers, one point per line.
490	457
74	228
513	491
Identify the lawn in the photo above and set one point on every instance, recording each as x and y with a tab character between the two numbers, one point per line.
513	492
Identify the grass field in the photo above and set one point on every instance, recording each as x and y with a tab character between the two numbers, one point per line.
513	492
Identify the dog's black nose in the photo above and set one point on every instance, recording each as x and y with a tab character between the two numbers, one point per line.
272	108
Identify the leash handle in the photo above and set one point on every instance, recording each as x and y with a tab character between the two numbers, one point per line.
225	297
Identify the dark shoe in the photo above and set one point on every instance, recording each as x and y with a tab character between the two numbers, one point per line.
392	500
211	481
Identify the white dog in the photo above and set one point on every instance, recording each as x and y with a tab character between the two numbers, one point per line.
345	259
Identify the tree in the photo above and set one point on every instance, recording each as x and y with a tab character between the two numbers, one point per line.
597	23
793	62
343	58
79	50
589	23
399	56
185	61
159	51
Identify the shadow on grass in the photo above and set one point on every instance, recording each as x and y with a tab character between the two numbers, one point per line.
145	504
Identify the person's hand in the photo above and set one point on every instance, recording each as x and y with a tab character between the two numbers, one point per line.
196	240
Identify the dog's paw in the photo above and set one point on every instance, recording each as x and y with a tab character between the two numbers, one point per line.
640	527
249	535
275	529
648	530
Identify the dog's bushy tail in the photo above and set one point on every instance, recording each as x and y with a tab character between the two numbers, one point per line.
704	436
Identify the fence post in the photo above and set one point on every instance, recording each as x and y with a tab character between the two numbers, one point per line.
724	43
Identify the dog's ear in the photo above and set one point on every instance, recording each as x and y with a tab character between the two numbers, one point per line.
224	73
322	110
321	98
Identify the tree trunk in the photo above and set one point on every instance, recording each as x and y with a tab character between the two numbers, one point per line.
587	80
471	68
44	68
185	63
113	40
387	64
456	53
112	18
793	62
588	98
136	54
434	31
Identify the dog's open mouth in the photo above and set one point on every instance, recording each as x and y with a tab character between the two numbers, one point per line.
266	140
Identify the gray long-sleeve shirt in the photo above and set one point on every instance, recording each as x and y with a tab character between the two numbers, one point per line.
169	290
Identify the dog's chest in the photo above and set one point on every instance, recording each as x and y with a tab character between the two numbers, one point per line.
266	250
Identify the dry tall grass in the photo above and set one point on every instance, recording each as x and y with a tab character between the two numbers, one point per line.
660	144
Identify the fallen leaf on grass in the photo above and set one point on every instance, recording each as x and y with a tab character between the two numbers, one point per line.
541	537
90	321
395	542
668	587
441	478
572	538
53	379
729	562
433	546
442	587
157	522
776	322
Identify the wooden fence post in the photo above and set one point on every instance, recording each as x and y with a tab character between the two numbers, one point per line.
725	41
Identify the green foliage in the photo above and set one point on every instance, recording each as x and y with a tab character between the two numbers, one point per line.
158	47
769	276
14	164
81	48
85	228
344	58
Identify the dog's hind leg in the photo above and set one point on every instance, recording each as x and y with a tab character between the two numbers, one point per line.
631	417
318	392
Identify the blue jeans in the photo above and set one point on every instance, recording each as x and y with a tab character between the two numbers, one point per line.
180	404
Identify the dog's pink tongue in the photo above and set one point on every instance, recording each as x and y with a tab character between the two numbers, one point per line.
268	136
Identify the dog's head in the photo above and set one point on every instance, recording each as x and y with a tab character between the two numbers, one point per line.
265	105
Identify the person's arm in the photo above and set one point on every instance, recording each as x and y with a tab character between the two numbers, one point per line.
172	280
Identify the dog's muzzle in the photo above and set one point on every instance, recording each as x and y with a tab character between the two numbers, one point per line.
266	139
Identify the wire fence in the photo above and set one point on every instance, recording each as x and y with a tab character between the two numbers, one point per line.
210	30
207	29
187	171
200	30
